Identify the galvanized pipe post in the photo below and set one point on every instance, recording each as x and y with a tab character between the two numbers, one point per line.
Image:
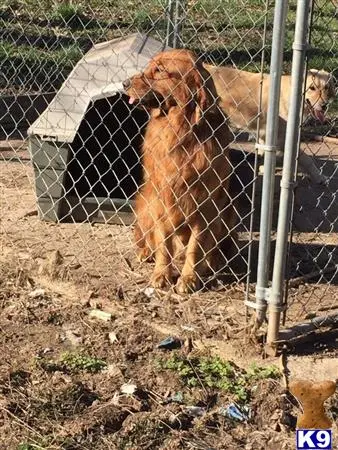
175	12
270	148
289	164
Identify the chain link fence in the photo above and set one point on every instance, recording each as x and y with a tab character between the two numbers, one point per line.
312	262
63	64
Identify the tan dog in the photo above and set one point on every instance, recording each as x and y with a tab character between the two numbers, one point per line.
239	98
186	167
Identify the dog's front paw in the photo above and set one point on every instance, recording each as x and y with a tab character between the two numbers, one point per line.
187	284
161	279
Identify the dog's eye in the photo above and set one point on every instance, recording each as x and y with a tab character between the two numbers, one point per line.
312	88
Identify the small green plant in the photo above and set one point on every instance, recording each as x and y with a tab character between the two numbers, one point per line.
72	362
255	372
216	373
80	362
142	20
27	446
67	12
63	57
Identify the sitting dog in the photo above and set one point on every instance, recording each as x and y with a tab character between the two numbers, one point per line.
186	168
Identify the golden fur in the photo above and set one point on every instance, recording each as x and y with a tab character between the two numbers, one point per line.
239	93
186	167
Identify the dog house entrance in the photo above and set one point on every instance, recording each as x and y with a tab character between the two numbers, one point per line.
98	174
104	169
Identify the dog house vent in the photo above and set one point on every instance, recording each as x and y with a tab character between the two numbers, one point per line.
85	145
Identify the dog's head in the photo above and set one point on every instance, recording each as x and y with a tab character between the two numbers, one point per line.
172	78
320	91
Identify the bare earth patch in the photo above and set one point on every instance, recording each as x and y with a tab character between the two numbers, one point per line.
51	278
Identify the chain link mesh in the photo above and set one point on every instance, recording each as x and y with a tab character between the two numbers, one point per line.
86	146
313	251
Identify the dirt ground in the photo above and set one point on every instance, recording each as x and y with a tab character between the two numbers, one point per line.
52	278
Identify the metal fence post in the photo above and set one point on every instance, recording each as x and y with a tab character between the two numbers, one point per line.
175	12
289	164
270	148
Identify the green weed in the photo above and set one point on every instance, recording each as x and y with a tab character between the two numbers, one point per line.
255	372
27	446
67	12
142	20
80	362
29	55
72	362
215	373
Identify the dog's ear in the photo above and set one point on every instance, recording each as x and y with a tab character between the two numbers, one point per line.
313	72
200	96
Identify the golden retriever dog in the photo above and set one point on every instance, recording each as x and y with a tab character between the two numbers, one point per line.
186	168
239	93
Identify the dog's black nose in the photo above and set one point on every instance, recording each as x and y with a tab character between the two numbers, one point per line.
126	83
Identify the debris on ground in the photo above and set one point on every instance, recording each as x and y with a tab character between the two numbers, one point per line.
37	293
195	411
236	412
175	398
170	343
101	315
128	389
112	337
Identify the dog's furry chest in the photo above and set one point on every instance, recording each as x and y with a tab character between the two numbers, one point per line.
183	169
173	157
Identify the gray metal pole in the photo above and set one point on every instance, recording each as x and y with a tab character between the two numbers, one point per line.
270	148
178	24
290	156
253	194
175	13
170	23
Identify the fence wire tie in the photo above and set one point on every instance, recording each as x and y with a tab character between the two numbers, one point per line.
288	184
300	46
262	307
263	295
277	308
256	306
267	148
